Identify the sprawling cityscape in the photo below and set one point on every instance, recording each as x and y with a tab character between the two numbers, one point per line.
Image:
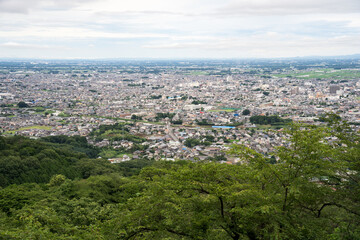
175	109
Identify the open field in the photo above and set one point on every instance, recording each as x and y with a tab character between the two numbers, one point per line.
221	110
35	127
224	110
197	73
28	128
324	74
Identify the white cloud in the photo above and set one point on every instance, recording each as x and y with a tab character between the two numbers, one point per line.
16	45
29	46
73	33
286	7
273	45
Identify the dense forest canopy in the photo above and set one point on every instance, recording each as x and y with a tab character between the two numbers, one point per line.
24	160
311	191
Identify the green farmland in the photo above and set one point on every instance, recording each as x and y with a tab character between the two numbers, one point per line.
324	74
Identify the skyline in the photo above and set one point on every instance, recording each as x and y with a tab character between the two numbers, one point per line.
158	29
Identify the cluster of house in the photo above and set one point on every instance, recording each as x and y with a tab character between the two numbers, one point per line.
64	104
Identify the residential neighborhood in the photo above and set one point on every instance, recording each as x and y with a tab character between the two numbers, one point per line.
170	106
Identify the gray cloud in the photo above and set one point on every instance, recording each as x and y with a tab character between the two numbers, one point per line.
24	6
258	8
287	7
17	6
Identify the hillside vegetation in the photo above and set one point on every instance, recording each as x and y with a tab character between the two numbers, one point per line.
312	191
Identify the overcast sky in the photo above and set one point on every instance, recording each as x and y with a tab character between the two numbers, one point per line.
178	28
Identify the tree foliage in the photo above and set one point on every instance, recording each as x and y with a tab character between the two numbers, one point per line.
272	120
23	160
22	105
136	117
246	112
192	142
160	116
310	190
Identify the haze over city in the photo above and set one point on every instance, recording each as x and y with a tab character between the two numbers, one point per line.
52	29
